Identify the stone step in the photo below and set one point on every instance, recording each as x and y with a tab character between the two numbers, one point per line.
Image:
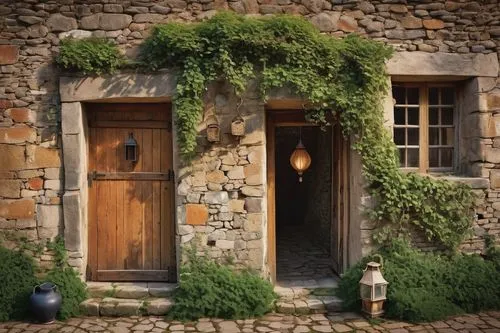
130	290
308	297
309	305
123	307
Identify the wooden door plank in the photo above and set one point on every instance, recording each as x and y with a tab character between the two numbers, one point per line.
129	124
133	275
133	216
92	210
147	166
271	199
102	233
165	207
156	242
334	237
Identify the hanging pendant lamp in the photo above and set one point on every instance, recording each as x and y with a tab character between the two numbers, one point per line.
300	158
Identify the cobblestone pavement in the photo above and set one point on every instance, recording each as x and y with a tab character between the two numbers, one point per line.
299	257
272	323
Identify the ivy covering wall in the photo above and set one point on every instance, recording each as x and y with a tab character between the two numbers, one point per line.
342	80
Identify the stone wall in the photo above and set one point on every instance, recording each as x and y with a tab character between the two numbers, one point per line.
221	192
226	183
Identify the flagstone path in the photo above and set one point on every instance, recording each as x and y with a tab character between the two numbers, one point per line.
273	323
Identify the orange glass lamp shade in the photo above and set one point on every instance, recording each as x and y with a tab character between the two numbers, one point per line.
300	159
373	290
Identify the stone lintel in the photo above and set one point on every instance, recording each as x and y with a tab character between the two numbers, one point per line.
118	86
443	64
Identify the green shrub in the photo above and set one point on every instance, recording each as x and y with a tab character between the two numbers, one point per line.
420	305
17	279
89	55
427	286
209	289
492	252
72	289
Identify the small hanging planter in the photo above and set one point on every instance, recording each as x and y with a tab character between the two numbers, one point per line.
213	129
238	126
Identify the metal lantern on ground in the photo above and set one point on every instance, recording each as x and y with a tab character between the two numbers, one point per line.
300	158
213	129
373	290
131	149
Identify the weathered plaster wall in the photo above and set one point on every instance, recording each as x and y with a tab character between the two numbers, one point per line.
225	180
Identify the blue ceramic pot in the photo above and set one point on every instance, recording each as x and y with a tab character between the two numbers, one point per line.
45	302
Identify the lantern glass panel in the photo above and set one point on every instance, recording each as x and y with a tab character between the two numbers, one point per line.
379	291
130	153
366	291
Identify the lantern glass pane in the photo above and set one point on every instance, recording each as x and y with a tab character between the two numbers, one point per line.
130	153
366	291
379	290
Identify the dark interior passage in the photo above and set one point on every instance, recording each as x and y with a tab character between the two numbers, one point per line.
303	210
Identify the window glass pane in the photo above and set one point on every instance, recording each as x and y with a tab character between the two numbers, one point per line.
446	158
413	136
433	96
447	136
447	95
401	157
447	116
433	157
412	95
378	291
398	93
433	116
413	116
412	157
433	136
399	136
399	116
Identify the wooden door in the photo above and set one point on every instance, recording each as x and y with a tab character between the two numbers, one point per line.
339	198
131	233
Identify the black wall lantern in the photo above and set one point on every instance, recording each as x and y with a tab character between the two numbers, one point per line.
131	149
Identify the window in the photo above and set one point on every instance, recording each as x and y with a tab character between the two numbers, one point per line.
424	126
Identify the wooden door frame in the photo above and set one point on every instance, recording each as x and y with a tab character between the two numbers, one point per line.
283	118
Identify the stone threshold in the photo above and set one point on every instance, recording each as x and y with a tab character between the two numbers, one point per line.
130	290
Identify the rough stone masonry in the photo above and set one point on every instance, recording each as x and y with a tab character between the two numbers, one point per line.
221	197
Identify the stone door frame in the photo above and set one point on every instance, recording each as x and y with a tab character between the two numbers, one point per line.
74	93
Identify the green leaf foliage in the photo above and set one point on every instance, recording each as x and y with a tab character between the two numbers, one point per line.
427	286
210	289
17	279
89	55
341	79
73	290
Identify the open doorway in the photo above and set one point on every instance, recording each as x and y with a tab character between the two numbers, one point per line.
303	209
306	220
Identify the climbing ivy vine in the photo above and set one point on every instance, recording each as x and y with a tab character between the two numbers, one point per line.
341	79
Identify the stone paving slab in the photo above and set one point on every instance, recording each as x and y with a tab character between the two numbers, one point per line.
130	290
488	322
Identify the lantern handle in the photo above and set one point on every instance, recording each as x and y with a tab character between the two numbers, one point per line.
381	260
238	106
